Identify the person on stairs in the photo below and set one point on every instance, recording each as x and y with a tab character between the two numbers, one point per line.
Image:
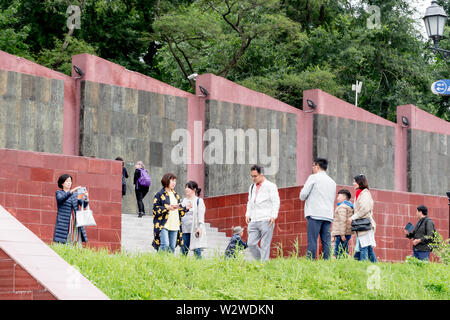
142	182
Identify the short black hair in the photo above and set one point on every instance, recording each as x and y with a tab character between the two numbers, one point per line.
63	179
322	163
119	159
423	209
257	168
346	192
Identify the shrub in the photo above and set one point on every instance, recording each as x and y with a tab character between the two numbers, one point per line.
441	247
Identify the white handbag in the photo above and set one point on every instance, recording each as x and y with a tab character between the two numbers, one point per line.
85	218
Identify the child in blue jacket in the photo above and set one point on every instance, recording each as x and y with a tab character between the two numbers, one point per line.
236	243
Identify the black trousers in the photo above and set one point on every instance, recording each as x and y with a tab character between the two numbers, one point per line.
141	192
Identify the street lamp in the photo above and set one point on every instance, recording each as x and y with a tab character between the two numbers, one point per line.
435	19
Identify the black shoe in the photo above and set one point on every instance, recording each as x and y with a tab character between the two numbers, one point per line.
140	215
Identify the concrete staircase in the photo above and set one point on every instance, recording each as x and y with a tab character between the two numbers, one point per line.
137	236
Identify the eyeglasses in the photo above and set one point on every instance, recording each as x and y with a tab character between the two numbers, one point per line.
254	176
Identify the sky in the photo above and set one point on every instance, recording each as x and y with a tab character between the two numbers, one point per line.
421	6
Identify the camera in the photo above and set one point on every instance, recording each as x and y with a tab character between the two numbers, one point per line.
192	76
82	190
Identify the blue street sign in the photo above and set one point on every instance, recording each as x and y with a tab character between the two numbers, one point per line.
441	87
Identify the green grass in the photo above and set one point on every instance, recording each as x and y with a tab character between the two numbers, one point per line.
163	276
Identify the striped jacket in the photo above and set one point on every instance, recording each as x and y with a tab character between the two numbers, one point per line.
66	203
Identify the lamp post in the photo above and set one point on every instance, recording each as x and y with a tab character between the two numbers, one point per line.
435	19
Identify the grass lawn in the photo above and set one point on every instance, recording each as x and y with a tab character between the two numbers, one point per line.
163	276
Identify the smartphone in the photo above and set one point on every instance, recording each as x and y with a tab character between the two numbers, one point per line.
197	234
81	190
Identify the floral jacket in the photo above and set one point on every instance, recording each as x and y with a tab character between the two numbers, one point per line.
161	214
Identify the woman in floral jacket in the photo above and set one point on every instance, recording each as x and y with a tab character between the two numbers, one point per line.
167	213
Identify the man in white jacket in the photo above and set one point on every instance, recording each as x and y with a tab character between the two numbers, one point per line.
262	211
319	192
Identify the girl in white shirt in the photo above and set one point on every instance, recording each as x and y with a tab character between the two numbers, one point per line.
193	222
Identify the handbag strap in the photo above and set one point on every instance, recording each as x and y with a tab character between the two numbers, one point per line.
82	206
196	211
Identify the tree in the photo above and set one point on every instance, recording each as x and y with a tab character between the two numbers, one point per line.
118	30
289	87
13	39
221	30
60	59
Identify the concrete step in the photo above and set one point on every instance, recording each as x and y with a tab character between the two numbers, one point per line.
137	237
210	238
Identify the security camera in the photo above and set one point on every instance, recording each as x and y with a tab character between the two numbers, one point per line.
203	91
78	71
312	105
192	76
405	122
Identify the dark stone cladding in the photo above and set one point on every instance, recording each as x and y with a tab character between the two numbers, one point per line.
229	178
136	125
355	147
428	162
31	112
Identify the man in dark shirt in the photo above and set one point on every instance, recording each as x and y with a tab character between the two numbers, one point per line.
422	234
124	176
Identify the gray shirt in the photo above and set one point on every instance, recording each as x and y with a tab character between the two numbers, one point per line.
187	219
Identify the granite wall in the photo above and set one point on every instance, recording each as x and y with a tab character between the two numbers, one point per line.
260	125
354	147
31	112
428	162
136	125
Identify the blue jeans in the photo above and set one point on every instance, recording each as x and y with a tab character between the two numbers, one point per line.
187	244
421	255
366	253
168	240
314	229
341	246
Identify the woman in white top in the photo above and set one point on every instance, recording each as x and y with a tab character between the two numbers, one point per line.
193	222
363	208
